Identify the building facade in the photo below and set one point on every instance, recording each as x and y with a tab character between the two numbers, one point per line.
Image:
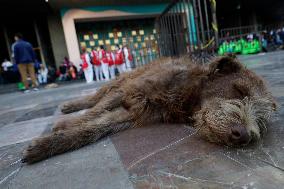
61	28
90	27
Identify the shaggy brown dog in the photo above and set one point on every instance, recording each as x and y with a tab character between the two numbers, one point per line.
226	102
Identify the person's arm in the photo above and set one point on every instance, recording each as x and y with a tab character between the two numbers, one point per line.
16	54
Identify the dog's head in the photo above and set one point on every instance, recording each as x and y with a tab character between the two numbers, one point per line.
241	118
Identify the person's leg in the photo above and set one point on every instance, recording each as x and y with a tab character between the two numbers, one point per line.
39	78
91	74
24	75
44	78
118	69
143	60
97	72
124	69
31	71
105	71
111	70
86	74
121	68
101	73
128	64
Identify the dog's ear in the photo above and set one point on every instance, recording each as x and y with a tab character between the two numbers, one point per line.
225	65
242	88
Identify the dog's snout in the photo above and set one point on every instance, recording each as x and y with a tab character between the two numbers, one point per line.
239	135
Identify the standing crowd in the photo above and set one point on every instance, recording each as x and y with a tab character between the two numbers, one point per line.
103	63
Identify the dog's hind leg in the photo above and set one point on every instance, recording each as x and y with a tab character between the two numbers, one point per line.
71	139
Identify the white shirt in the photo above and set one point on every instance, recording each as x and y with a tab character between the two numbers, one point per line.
113	56
88	59
100	54
125	51
6	65
43	71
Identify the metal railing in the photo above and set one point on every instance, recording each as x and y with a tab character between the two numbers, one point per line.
188	27
236	32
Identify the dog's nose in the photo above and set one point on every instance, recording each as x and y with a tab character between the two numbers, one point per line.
239	135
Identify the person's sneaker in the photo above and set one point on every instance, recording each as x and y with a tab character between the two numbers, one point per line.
35	89
26	91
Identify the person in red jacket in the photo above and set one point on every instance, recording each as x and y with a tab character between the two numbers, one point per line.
111	65
104	62
87	66
97	65
119	62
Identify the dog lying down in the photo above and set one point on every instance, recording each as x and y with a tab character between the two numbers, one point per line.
224	101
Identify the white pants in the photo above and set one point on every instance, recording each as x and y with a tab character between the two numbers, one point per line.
143	60
105	71
98	72
42	78
121	68
128	65
112	72
89	75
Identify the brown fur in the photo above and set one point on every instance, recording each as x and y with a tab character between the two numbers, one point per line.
212	97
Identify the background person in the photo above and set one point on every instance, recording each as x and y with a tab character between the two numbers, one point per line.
63	72
97	65
7	71
119	60
87	66
104	62
128	58
6	65
67	62
110	58
73	71
25	57
42	74
51	76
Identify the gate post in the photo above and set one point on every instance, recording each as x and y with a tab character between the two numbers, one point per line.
214	22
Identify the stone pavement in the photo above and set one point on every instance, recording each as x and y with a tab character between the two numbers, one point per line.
160	156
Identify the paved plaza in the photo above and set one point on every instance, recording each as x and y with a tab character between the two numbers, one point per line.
158	156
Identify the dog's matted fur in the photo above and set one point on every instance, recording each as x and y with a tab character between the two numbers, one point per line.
226	102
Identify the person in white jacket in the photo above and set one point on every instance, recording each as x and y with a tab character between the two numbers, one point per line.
87	66
42	74
127	58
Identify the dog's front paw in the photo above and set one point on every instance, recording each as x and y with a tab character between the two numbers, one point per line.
67	108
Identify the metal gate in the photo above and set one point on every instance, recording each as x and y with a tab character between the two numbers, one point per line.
188	27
